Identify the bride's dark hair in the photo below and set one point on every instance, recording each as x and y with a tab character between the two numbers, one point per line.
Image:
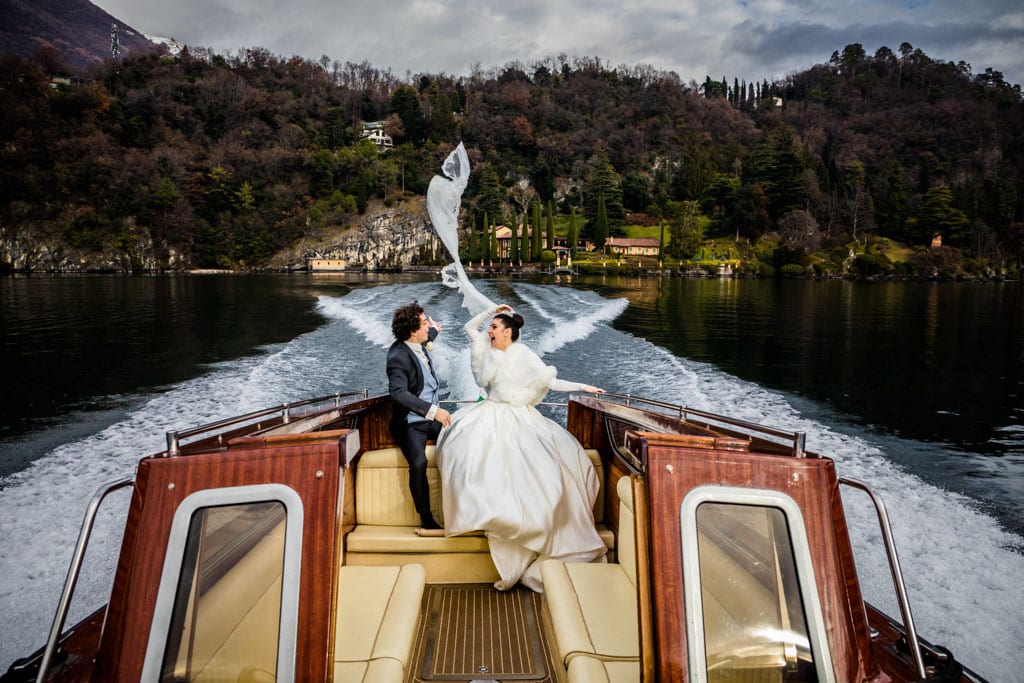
513	321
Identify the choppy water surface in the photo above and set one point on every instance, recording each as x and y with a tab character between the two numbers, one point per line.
877	399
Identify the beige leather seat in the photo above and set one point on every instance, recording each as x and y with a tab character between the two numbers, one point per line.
377	614
593	608
386	523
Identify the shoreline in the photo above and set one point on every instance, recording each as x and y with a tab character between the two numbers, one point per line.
502	271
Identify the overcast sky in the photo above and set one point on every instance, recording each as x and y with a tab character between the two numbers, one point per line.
745	39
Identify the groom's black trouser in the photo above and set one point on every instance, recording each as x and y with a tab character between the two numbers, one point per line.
412	438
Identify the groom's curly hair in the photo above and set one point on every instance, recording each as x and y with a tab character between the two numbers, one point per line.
406	321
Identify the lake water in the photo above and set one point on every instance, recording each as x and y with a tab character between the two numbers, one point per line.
914	388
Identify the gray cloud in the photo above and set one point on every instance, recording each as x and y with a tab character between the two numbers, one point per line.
798	45
749	39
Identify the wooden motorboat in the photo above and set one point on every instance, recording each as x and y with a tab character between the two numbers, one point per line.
282	545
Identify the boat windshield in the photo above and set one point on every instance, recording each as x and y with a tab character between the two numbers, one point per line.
755	626
227	609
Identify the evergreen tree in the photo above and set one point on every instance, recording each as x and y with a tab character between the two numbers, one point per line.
442	120
776	166
492	236
514	249
486	241
685	235
473	244
542	177
892	205
524	243
603	181
405	102
938	216
535	235
574	233
550	226
491	197
601	224
696	170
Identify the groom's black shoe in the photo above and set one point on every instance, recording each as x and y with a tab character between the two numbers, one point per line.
427	521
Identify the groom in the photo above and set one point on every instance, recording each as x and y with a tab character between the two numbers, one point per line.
413	386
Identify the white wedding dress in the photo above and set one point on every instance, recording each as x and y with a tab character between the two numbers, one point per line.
511	472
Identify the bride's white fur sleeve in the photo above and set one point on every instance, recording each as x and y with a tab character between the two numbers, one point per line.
479	346
565	385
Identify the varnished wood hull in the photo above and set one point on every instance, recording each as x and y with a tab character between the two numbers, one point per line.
668	458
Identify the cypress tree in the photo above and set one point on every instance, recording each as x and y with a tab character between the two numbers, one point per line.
472	244
535	236
601	225
486	251
514	250
492	236
574	233
524	244
551	227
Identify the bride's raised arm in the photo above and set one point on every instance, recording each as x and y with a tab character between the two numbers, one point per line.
473	326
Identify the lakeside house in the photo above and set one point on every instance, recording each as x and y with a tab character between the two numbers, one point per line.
326	264
503	236
633	246
374	132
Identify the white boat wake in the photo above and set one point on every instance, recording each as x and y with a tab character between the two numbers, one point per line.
961	571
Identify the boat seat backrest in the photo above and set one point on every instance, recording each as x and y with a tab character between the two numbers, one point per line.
382	488
593	608
627	534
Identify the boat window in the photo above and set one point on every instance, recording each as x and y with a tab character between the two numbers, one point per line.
752	607
226	609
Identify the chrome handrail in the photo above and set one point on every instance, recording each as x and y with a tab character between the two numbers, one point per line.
174	437
897	574
797	439
72	578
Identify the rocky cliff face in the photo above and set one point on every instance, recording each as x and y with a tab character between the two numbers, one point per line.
25	250
383	237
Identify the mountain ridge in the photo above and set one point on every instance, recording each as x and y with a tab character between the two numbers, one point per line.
77	32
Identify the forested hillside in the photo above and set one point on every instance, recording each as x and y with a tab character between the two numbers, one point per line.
223	161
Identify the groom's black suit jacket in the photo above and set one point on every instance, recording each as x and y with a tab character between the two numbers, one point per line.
405	382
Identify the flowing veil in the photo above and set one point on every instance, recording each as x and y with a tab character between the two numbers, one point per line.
444	198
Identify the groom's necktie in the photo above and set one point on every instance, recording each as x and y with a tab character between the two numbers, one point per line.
430	362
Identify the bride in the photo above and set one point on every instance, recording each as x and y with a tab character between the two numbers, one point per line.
511	472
